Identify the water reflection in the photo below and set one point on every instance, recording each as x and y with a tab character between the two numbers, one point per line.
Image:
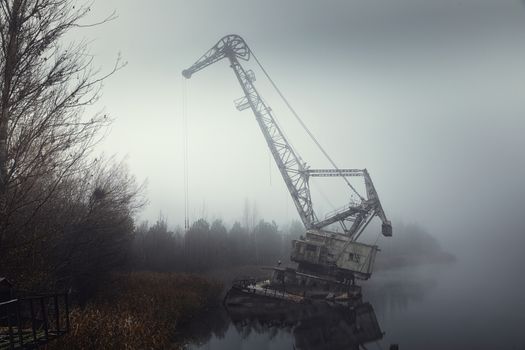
314	326
413	307
319	326
305	327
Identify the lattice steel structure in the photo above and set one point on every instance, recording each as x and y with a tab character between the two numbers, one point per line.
295	172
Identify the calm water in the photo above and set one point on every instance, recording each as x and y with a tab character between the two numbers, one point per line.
449	306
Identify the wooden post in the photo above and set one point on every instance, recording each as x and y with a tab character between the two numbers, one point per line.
57	314
67	311
19	322
44	317
33	327
10	325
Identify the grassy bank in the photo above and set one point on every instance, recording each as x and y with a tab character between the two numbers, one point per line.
141	310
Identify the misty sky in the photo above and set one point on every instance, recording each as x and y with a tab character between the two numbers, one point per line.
427	95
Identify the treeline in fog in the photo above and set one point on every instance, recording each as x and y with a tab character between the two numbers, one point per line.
211	245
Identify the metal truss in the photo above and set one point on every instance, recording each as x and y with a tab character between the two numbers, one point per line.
355	217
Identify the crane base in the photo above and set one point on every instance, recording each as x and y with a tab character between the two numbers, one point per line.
287	285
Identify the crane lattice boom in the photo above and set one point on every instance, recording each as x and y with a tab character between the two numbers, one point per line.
355	217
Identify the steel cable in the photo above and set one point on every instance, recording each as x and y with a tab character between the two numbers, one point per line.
296	115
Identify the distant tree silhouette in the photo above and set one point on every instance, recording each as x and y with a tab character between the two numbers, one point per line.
206	247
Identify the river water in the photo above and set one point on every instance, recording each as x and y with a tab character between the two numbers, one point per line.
444	306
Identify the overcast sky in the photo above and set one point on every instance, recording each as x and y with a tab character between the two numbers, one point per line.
427	95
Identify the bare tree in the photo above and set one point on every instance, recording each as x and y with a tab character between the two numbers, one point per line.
44	87
49	182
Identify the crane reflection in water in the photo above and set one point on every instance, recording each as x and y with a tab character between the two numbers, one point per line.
271	324
317	326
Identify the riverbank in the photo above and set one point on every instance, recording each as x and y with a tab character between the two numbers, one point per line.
140	310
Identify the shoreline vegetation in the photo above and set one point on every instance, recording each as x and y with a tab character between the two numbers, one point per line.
140	310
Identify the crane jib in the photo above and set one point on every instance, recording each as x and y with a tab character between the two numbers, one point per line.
294	171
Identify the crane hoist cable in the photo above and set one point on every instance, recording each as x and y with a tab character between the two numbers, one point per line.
185	153
303	125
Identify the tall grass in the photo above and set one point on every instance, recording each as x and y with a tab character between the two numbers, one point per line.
141	310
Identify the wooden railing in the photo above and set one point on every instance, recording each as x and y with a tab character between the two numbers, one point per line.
32	321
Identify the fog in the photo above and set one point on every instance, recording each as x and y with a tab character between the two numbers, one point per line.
428	96
153	208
